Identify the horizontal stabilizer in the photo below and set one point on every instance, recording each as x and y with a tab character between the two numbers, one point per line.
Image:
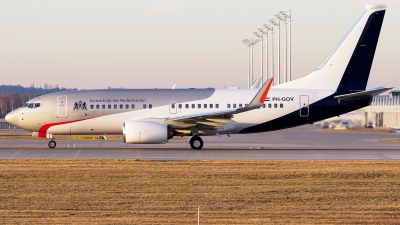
361	94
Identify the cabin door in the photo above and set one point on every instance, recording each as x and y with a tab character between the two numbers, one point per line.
173	107
304	106
62	106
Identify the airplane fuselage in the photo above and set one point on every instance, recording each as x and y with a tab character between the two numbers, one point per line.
104	111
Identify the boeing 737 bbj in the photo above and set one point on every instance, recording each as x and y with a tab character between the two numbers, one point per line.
149	116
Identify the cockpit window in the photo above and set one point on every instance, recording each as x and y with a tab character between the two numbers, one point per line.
31	105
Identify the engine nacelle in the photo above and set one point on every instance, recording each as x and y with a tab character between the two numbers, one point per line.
146	132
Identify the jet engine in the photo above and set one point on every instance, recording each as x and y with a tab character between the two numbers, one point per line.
146	132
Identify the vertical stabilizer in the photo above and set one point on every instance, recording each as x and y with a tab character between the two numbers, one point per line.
347	67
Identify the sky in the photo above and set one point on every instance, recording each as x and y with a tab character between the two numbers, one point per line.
96	44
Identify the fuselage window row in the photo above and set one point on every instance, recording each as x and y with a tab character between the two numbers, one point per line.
121	106
193	106
150	106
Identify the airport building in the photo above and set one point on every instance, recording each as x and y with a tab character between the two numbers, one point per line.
384	111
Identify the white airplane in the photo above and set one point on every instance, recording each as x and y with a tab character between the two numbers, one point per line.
149	116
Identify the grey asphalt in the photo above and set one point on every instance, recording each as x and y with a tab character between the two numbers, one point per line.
291	144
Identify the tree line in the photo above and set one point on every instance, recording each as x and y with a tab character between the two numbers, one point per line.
14	96
11	101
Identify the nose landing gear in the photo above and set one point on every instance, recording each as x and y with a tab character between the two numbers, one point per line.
196	142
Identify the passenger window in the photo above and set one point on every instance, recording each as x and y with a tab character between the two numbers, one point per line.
275	105
126	106
193	106
91	106
263	105
234	106
180	106
269	105
37	105
103	106
144	106
187	106
173	105
281	105
217	106
199	106
228	106
121	106
97	106
109	106
240	105
205	106
132	106
150	106
115	106
211	106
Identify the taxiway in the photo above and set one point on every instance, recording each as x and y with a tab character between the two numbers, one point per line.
291	144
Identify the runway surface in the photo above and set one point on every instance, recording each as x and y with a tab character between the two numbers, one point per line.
291	144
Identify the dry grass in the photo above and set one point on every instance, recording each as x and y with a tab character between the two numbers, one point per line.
228	192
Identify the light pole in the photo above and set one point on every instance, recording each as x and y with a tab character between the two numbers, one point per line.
261	36
265	33
279	47
253	42
289	20
270	28
285	78
247	43
250	44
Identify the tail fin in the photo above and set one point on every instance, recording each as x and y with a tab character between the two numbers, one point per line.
347	67
355	77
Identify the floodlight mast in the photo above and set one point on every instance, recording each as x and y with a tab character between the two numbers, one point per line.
261	36
289	21
279	47
250	44
265	33
247	43
285	78
253	42
270	28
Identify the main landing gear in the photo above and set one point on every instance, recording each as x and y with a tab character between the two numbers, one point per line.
52	144
196	142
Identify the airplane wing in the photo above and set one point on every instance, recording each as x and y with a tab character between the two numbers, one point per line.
361	94
220	118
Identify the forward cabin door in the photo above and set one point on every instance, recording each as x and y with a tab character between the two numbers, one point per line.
62	106
304	107
173	107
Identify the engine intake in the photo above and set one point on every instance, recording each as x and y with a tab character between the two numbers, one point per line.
146	132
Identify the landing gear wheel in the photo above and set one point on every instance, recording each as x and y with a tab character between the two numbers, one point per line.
52	144
196	142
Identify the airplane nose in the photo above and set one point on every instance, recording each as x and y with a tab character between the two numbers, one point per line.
13	118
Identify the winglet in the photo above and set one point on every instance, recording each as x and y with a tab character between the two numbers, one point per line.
266	90
256	83
259	98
